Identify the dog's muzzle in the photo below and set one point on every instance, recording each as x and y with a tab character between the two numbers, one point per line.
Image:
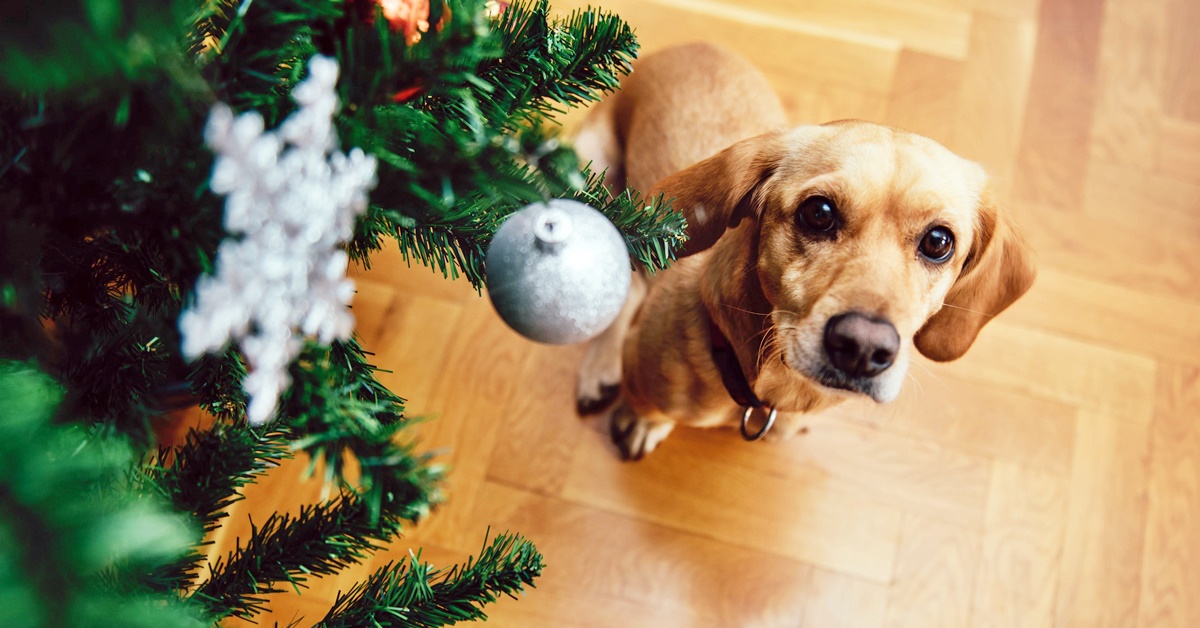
858	347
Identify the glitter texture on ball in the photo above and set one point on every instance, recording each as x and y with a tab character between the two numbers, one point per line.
558	272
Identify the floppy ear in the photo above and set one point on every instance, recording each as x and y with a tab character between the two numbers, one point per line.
717	193
997	272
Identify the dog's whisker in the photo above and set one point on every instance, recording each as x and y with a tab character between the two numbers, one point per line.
738	309
773	352
929	372
967	309
916	382
768	344
767	332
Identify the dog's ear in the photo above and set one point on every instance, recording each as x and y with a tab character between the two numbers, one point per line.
998	270
717	193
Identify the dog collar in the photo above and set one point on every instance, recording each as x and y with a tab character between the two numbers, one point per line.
735	382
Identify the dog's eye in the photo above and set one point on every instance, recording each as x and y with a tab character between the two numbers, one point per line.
818	215
937	245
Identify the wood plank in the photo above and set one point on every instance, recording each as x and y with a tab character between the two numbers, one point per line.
920	477
1179	150
935	574
1170	578
410	276
284	489
811	101
1089	310
938	482
428	325
482	356
1060	369
921	26
1018	9
556	603
777	46
991	105
371	305
1100	573
690	579
1016	578
801	515
1129	83
832	600
540	430
1181	83
1141	201
974	417
1052	160
924	96
1154	260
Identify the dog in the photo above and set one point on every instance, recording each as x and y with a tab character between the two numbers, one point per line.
819	257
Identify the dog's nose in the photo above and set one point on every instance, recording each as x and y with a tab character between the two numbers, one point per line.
859	345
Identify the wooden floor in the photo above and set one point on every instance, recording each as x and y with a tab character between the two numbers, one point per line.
1050	478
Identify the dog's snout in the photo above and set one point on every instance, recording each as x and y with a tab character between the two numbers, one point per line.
859	345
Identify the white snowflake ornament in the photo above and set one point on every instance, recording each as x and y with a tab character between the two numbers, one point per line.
293	200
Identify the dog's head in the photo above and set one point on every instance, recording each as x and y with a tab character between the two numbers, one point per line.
871	241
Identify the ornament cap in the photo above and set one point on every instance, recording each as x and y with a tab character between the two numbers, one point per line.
552	229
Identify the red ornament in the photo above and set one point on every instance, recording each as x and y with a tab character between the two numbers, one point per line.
408	93
410	17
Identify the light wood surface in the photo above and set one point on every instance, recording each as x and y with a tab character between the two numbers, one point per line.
1049	478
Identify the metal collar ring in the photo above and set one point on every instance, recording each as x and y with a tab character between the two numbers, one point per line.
771	412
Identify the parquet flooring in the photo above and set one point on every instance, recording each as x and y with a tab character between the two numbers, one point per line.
1049	478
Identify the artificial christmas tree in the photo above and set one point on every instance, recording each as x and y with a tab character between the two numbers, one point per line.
112	227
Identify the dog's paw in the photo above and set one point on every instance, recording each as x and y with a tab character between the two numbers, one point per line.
594	403
634	436
599	381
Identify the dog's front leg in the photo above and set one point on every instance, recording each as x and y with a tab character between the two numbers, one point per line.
599	380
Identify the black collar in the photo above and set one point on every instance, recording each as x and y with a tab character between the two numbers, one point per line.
730	368
735	381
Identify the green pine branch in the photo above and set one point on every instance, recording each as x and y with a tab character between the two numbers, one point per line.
252	51
203	477
134	361
70	522
337	409
216	382
412	593
653	232
457	246
59	45
551	64
284	551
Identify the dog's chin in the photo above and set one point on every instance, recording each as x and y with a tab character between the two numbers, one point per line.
836	382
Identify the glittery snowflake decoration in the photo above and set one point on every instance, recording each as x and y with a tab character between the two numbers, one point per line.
292	198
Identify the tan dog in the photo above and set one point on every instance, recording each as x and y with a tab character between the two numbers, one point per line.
820	256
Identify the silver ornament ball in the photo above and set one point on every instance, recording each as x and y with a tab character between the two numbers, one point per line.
558	272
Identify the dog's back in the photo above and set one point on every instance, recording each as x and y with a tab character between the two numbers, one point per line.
648	130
